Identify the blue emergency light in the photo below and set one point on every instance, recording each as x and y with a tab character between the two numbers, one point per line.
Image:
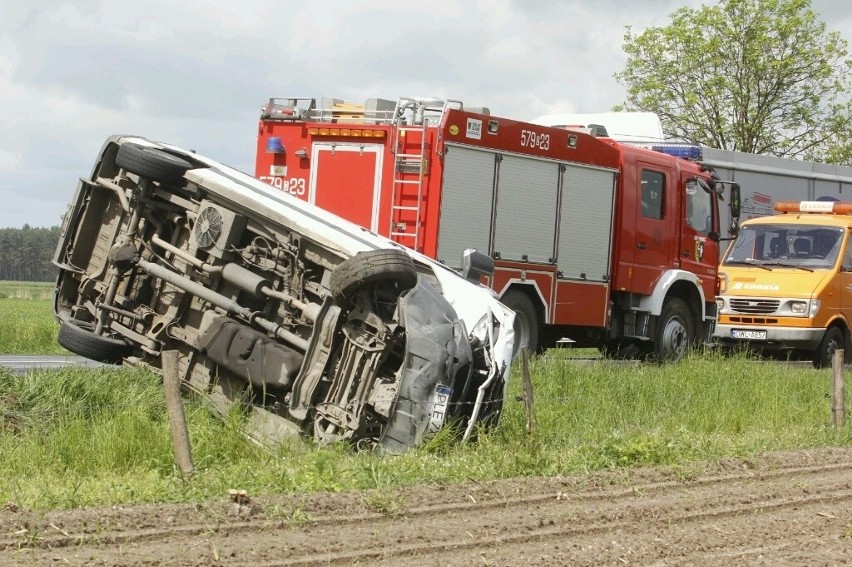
274	145
685	151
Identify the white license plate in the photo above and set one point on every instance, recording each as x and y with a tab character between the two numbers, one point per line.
750	335
440	405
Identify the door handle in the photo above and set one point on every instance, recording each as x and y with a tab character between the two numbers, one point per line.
641	245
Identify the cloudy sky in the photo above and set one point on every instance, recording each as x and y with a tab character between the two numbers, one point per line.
195	73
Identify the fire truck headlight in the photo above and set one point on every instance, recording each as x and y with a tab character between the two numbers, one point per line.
720	304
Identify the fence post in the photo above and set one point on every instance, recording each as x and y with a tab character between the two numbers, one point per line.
528	390
174	406
838	394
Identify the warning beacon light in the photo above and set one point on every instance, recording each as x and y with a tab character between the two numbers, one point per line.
685	151
274	145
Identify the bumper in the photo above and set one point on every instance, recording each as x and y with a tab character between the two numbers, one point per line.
776	337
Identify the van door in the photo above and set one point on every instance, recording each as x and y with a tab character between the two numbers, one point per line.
845	281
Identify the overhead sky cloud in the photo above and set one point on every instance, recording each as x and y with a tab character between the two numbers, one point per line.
196	73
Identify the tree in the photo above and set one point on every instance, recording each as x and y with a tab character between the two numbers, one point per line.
758	76
26	253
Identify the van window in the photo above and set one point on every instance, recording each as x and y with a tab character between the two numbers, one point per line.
653	184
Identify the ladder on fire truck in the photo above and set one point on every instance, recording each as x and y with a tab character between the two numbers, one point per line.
413	118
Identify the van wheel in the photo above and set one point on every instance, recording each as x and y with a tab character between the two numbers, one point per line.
675	331
386	266
87	344
152	163
526	324
834	339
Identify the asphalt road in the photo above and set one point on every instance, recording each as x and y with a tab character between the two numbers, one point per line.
21	363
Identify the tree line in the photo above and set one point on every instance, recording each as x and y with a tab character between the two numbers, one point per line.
25	253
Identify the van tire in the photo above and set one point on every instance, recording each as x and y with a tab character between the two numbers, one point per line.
87	344
833	340
365	269
152	163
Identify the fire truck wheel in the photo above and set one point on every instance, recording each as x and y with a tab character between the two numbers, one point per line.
526	320
833	340
87	344
152	163
392	267
675	331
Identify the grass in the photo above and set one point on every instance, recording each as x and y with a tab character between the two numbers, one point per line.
38	291
27	325
82	438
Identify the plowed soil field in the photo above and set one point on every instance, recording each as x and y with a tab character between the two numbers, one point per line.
780	509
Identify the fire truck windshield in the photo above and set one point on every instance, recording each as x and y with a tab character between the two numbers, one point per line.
814	247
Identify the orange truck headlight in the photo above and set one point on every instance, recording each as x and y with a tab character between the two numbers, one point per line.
721	282
799	307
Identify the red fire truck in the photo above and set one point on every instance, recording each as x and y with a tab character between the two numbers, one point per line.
605	244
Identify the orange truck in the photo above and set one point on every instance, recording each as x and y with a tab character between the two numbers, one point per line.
786	282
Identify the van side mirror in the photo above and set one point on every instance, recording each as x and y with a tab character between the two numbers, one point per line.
476	264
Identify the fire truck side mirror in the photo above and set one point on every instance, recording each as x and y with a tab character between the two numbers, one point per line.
476	264
735	200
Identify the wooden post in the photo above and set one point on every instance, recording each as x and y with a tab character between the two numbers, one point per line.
174	406
528	391
838	394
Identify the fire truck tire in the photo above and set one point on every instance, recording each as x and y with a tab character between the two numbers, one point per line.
526	326
833	340
675	331
152	163
87	344
365	269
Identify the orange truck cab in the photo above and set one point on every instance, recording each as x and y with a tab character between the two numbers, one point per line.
786	282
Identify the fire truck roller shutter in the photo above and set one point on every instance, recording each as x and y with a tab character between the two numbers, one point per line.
466	203
585	229
526	209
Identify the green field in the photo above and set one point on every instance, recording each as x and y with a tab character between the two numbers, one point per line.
38	291
80	438
27	325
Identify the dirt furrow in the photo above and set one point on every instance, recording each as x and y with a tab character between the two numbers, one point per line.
225	519
777	509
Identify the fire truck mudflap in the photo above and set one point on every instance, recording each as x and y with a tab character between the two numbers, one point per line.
304	321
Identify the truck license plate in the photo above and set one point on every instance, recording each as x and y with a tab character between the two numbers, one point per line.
751	335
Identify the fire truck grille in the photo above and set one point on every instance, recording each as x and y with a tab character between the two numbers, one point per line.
751	305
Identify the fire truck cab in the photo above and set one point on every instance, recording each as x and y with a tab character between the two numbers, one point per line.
602	243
